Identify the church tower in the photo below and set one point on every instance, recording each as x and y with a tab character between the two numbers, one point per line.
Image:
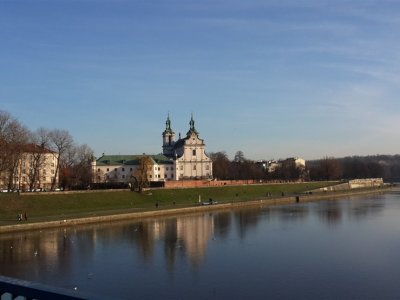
192	129
168	139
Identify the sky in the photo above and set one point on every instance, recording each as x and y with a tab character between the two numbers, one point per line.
274	79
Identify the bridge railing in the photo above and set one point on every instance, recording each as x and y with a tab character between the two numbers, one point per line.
12	288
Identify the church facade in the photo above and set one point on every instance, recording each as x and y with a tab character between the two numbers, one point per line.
181	159
188	153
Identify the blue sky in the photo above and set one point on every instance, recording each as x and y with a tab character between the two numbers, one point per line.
273	79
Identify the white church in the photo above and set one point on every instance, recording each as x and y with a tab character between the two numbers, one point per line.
181	159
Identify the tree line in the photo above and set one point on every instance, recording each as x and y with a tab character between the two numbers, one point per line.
73	162
326	168
242	168
355	167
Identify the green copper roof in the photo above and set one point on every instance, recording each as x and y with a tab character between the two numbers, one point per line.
192	129
168	129
119	160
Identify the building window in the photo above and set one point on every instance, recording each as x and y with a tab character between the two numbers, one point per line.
108	169
131	169
172	175
165	175
207	167
98	177
194	167
151	176
167	168
123	169
158	168
123	176
181	167
194	152
115	169
98	170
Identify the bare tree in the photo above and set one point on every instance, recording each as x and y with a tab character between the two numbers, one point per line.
40	142
142	173
75	169
239	157
329	169
61	142
13	137
221	165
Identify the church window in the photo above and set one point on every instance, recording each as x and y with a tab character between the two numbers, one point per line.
194	152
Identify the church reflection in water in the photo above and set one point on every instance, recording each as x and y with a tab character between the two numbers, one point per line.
57	251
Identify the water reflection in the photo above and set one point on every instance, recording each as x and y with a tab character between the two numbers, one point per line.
293	213
364	209
330	212
59	256
247	219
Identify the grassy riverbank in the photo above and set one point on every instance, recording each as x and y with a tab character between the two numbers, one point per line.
48	207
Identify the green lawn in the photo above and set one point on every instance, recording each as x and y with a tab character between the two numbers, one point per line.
40	207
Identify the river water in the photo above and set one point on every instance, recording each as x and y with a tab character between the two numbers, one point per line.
339	249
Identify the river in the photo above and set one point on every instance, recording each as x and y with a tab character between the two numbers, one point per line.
338	249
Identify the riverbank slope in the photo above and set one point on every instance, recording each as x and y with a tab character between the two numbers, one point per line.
80	208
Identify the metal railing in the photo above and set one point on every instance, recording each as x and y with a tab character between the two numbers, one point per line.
12	288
